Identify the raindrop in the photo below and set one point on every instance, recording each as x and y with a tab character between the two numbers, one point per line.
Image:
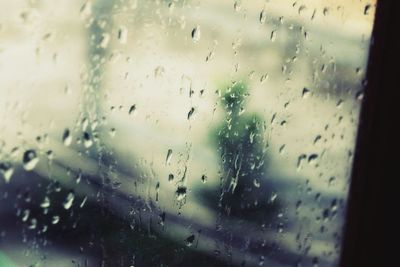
312	159
32	224
132	110
69	200
6	171
67	137
196	34
256	182
170	177
122	34
83	202
162	218
317	139
306	93
273	36
85	123
50	154
325	11
191	113
300	160
87	140
30	159
112	132
181	193
367	9
263	16
313	14
282	149
86	10
190	240
261	261
360	95
46	203
159	71
298	204
339	103
264	77
273	197
204	178
168	158
315	262
210	56
280	227
237	6
302	8
55	219
105	40
25	215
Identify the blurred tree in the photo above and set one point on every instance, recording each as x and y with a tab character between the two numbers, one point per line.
240	143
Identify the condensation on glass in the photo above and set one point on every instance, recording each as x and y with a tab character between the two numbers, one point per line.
178	132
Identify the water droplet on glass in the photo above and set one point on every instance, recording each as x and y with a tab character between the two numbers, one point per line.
168	158
204	178
162	218
105	40
325	11
261	261
273	197
256	183
132	110
273	36
315	262
69	200
6	170
30	159
86	10
181	193
196	34
122	34
306	93
46	203
25	215
263	16
32	224
87	140
190	240
55	219
280	226
170	177
67	137
191	113
85	123
264	77
331	180
300	160
360	95
367	9
83	202
210	56
159	71
112	132
312	159
237	6
302	8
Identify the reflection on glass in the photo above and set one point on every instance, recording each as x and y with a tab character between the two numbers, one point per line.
179	132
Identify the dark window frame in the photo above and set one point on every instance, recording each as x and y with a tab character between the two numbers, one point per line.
367	240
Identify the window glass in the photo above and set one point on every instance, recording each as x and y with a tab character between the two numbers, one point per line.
178	132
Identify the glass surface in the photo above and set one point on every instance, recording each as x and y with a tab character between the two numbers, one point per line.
178	132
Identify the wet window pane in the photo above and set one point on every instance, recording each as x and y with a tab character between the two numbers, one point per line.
178	132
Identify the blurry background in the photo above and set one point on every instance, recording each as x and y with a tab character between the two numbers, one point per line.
177	132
